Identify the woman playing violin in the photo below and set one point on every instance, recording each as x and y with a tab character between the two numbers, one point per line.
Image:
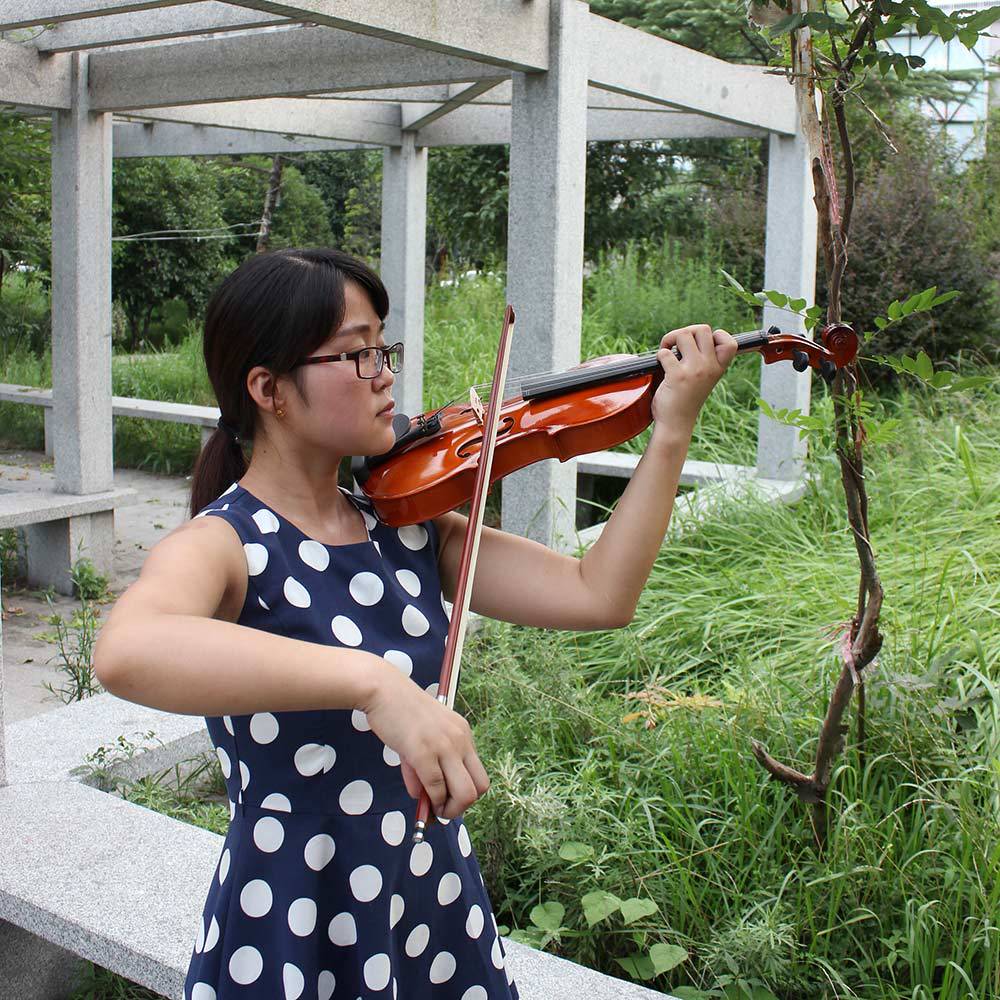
310	635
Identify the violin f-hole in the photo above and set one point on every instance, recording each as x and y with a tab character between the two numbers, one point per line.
465	450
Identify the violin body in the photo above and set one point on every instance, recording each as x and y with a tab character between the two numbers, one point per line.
432	467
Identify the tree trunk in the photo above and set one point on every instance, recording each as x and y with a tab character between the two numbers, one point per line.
271	199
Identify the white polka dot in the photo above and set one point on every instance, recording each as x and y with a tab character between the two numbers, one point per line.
413	536
319	851
378	548
396	907
509	973
346	631
227	764
256	558
414	622
244	775
390	756
366	883
400	659
409	581
228	723
421	858
370	521
343	930
366	589
226	492
202	991
246	965
393	828
266	521
296	594
302	917
224	866
449	888
277	802
393	988
417	940
262	603
377	971
293	981
256	898
313	758
360	721
445	606
326	984
474	923
356	798
264	727
464	844
496	955
314	555
432	689
475	993
232	809
200	943
443	967
212	937
268	834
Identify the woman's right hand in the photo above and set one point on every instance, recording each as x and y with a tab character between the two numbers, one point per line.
434	742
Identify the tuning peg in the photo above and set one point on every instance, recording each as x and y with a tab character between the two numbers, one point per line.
828	370
773	331
800	360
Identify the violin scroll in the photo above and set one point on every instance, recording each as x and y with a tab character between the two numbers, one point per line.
836	348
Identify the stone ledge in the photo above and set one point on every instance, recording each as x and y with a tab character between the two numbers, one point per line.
93	884
36	506
53	745
695	473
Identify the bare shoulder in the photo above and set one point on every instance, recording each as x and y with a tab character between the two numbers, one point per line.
198	569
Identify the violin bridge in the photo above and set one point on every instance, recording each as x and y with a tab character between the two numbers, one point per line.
477	407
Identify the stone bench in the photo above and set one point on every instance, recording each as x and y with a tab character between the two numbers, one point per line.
59	528
204	417
85	873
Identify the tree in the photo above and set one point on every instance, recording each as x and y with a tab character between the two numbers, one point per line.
25	234
167	224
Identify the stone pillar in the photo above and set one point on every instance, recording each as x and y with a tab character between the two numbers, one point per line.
34	969
790	267
82	435
404	240
548	152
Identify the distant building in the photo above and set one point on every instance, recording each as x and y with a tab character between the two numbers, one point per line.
965	117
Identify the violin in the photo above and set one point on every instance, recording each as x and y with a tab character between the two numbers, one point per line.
431	467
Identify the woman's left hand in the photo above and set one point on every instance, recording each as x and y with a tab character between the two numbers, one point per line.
705	355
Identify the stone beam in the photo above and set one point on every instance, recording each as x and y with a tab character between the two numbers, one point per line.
289	63
475	126
415	117
511	34
344	120
151	26
18	14
136	139
638	64
28	79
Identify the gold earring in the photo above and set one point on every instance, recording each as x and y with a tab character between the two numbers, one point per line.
279	413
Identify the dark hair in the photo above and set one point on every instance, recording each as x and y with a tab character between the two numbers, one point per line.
271	311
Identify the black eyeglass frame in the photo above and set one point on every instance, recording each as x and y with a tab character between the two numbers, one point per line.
355	356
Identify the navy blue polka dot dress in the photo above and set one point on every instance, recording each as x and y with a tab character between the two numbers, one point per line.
319	892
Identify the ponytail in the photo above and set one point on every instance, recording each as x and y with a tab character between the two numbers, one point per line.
220	464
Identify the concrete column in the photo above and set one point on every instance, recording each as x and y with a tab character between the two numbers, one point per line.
34	969
404	240
548	151
3	738
790	267
81	293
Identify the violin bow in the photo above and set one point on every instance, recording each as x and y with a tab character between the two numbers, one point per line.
451	664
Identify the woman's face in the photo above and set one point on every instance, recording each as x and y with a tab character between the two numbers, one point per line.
345	414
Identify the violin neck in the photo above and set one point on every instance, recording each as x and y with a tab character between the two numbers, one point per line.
539	386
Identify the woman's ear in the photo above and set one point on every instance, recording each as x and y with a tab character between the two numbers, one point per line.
264	389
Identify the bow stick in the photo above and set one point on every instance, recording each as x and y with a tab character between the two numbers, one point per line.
448	682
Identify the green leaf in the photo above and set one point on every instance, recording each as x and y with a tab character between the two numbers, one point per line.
690	993
972	382
982	20
787	24
548	916
925	367
635	909
895	310
598	905
778	298
968	37
797	304
945	297
638	966
902	70
574	851
666	957
732	280
941	379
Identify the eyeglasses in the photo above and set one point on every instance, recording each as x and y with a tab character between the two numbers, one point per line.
369	361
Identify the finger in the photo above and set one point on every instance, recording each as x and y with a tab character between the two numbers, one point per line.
686	342
433	780
670	339
411	780
461	790
479	776
706	342
726	347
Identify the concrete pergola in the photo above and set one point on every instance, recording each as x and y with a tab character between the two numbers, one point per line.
133	78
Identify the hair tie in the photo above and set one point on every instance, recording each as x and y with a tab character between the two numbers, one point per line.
228	429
